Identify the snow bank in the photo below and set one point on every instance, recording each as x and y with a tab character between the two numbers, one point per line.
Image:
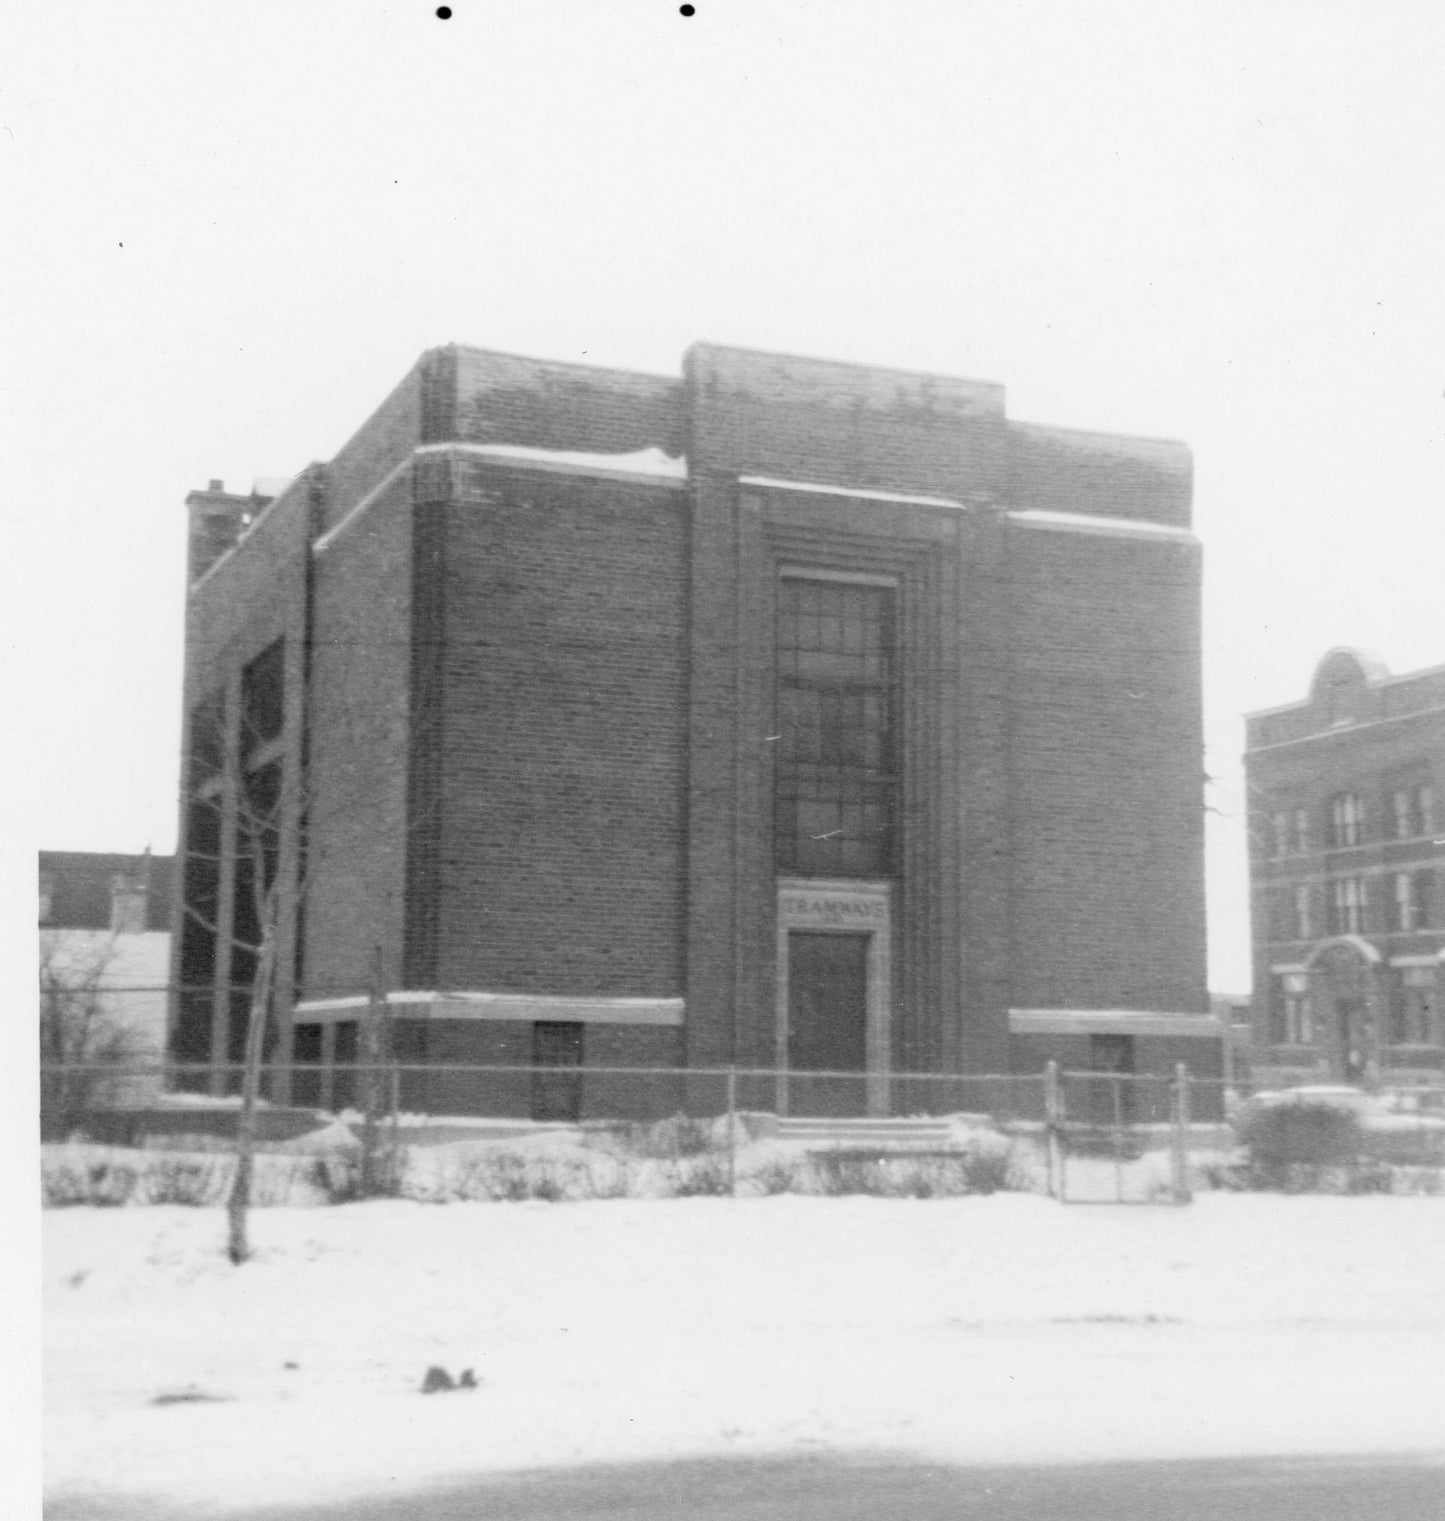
981	1329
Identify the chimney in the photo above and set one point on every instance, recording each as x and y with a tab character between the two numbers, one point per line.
218	518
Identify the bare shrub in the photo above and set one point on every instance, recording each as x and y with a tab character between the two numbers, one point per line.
699	1176
680	1135
189	1180
66	1181
1300	1148
1418	1180
337	1179
508	1177
86	1049
904	1176
778	1175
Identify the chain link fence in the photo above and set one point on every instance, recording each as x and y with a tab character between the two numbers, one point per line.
1081	1136
547	1131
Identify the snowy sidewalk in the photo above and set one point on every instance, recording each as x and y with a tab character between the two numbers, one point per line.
996	1329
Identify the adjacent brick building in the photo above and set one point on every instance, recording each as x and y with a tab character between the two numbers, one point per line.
788	714
1347	865
105	952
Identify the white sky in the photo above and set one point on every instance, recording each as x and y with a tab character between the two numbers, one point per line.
238	225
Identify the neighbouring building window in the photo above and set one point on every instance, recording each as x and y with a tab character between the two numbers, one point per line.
1407	901
1347	906
1412	811
1281	838
1427	898
1412	1006
837	766
1347	819
1301	831
1279	924
1292	1022
1304	921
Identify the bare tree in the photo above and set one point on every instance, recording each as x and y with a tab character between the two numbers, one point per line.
251	795
258	833
87	1045
244	805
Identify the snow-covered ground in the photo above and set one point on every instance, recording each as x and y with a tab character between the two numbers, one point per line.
985	1329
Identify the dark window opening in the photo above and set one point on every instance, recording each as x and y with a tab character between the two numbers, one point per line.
254	877
190	1040
263	698
837	767
306	1054
348	1046
259	827
557	1045
206	757
1111	1094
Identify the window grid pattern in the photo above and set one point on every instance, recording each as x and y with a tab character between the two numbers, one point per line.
1347	819
837	767
1413	811
1293	1012
1304	924
1348	906
1413	1007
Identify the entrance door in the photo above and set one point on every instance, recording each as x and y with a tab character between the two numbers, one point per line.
827	1021
1112	1099
557	1091
1349	1016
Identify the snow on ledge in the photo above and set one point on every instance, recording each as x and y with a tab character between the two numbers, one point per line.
650	464
1078	522
775	483
431	1003
1113	1022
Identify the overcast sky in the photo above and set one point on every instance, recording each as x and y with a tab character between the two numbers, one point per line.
239	224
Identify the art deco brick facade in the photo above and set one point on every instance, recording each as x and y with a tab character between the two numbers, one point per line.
548	759
1347	865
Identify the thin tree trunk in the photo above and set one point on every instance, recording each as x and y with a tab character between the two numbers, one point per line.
238	1247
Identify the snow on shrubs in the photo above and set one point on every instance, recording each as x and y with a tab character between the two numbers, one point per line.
675	1158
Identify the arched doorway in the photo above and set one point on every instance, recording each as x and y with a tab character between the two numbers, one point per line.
1345	991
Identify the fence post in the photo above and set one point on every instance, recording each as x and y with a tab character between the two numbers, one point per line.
1053	1112
370	1075
1182	1191
732	1132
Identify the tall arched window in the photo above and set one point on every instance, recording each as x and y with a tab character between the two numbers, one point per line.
1347	819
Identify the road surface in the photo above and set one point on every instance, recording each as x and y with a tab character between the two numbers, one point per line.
866	1488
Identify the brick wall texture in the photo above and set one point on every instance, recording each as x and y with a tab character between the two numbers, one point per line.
534	703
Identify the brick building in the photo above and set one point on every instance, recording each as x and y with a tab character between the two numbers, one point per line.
787	714
105	951
1347	866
